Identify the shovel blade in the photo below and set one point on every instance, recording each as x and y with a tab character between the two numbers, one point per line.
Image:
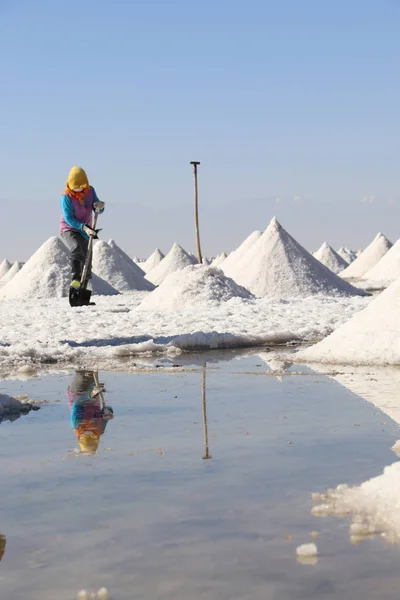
80	297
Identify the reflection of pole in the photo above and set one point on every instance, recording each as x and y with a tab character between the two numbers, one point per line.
207	455
2	545
196	211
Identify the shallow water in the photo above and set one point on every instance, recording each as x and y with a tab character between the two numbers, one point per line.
148	517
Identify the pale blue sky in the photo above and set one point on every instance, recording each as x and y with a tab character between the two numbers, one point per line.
278	99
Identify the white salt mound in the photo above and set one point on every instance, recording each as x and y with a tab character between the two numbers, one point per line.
348	255
5	266
100	287
136	268
154	259
194	285
369	258
229	264
218	260
17	266
388	268
277	265
113	268
45	275
176	260
371	337
307	550
330	258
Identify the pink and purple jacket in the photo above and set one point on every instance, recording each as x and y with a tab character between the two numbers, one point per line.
74	214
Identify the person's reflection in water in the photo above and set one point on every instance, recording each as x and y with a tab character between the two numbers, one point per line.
89	413
2	546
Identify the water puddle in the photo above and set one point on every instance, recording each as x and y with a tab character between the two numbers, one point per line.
181	480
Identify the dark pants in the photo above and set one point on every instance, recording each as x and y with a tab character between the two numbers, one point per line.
77	246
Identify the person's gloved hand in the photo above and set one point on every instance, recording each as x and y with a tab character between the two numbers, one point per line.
98	206
91	232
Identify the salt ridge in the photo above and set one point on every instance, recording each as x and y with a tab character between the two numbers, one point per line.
113	268
368	258
277	265
330	258
194	285
176	259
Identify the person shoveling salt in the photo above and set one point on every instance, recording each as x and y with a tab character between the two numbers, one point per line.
78	203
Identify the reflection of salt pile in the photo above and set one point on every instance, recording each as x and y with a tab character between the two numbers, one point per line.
218	260
388	268
5	266
154	259
47	275
136	268
17	266
113	268
374	505
371	337
194	285
277	265
229	264
348	255
11	408
331	259
369	258
176	260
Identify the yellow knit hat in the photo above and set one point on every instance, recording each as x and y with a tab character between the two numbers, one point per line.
77	178
88	442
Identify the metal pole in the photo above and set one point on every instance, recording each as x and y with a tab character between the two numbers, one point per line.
207	455
196	211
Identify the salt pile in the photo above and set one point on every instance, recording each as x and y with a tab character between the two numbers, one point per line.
154	259
348	255
374	505
277	265
388	268
229	264
218	260
113	268
369	258
371	337
136	268
17	266
176	260
194	285
47	275
11	408
331	259
5	266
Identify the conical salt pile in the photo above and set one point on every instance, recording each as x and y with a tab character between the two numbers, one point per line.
368	259
5	266
136	268
194	285
154	259
176	260
17	266
218	260
110	266
331	259
277	265
348	255
388	268
371	337
229	264
100	287
46	275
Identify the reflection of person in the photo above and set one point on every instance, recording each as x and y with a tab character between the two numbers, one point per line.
89	413
2	545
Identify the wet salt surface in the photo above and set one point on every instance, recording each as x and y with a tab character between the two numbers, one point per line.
147	517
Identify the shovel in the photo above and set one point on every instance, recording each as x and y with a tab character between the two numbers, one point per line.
81	296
